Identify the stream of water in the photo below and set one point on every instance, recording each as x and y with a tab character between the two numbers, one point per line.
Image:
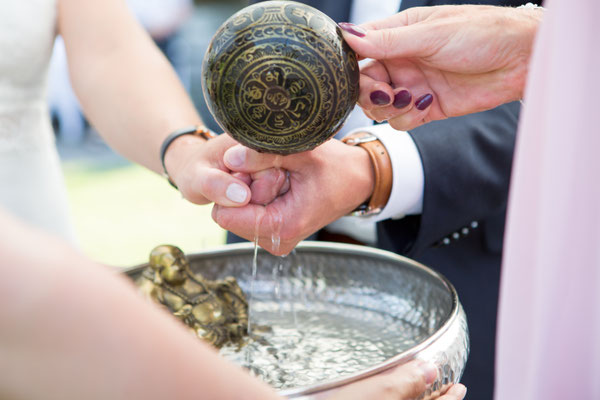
297	340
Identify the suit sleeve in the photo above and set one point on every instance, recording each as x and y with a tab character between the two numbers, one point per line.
466	164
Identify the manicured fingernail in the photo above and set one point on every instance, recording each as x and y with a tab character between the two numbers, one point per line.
424	101
430	372
353	29
402	99
235	156
236	193
379	98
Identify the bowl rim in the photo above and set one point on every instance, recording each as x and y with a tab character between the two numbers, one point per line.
346	249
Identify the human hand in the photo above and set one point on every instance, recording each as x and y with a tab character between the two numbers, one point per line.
324	184
432	63
407	381
196	167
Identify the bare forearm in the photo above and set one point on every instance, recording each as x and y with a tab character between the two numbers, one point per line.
127	88
73	330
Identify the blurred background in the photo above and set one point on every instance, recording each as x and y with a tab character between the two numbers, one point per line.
120	210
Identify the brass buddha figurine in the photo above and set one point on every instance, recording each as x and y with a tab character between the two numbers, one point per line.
216	311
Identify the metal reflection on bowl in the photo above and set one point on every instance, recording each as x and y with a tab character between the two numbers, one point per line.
373	309
279	78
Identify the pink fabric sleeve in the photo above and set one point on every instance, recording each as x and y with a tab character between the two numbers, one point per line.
549	318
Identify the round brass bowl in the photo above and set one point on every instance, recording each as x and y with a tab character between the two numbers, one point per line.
381	293
279	78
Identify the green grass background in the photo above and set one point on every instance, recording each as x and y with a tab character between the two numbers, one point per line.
121	212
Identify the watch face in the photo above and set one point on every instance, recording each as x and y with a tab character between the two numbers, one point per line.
279	77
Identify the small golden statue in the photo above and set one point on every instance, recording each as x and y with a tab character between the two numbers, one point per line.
216	311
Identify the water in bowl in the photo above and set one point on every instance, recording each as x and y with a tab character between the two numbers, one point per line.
296	341
319	341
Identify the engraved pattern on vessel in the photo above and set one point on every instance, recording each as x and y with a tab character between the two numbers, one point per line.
280	77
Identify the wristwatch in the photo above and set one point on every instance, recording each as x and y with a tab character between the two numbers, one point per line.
382	165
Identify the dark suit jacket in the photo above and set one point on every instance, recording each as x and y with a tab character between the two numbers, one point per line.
467	163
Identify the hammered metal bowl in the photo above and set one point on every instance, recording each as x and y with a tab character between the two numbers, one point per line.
403	309
279	78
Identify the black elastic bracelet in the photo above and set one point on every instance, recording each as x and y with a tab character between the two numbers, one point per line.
192	130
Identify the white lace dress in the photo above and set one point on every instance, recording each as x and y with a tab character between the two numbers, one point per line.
31	182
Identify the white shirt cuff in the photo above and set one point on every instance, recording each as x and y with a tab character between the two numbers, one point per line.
408	181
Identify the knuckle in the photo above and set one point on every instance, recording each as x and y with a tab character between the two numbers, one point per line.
390	388
203	188
398	124
222	218
365	104
217	216
378	115
293	232
387	42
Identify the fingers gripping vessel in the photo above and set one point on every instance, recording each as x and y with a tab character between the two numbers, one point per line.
279	78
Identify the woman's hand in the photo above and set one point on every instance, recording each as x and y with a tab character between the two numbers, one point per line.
324	184
432	63
196	166
405	382
133	97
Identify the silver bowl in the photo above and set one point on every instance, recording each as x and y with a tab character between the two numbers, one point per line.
378	309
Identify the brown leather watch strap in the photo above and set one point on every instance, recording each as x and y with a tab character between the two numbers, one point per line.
382	165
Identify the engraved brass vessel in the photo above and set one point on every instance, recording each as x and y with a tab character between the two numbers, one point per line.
279	78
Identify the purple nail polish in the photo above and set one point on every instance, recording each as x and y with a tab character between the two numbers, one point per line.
402	99
424	101
353	29
379	98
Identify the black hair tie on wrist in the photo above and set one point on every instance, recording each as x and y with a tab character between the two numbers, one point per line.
192	130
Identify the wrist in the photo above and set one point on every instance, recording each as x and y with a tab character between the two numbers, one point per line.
176	145
379	165
528	17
